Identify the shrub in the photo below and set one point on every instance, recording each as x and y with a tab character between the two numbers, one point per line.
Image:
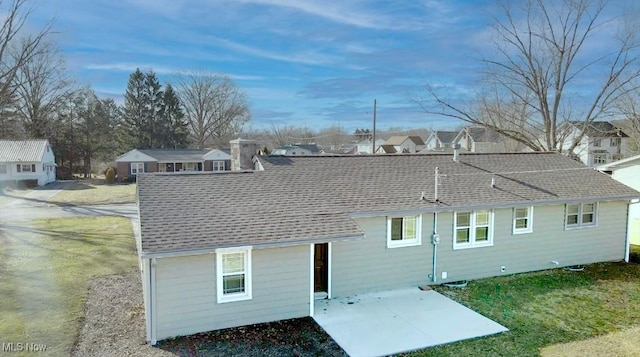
110	175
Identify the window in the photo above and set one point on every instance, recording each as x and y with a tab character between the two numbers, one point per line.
614	142
473	229
522	220
597	142
219	166
137	167
3	169
26	168
599	158
581	215
403	231
233	270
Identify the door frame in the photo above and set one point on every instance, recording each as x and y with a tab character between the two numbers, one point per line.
312	269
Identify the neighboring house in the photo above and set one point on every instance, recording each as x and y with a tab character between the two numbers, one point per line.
627	171
602	142
479	139
364	147
172	160
27	161
403	144
297	150
302	228
441	140
344	149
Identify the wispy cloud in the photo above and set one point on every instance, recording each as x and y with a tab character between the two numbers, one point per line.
304	57
335	11
159	69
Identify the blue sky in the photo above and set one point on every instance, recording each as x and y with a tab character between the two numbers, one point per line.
314	63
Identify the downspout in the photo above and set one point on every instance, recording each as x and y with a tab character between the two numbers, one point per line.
152	301
627	241
435	238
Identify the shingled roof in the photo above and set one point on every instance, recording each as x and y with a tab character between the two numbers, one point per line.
313	199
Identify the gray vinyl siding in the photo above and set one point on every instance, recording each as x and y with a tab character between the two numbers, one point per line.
548	242
368	265
186	300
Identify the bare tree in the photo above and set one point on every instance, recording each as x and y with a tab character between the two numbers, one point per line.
16	47
629	107
40	86
214	107
541	60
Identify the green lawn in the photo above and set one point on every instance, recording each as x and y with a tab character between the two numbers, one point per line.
45	269
93	192
634	255
546	308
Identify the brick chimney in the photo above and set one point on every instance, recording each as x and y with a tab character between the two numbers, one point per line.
242	153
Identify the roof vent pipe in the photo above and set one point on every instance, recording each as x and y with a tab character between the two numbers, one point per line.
493	182
456	153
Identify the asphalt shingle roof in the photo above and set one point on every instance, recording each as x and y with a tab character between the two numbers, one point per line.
298	199
175	154
22	150
398	140
481	134
446	136
601	129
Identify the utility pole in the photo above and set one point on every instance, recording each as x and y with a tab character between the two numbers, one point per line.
373	139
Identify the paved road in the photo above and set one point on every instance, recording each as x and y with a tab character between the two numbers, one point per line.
22	212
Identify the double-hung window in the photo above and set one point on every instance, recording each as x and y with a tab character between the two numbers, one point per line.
26	168
581	215
137	167
233	271
473	229
403	231
3	169
218	166
522	220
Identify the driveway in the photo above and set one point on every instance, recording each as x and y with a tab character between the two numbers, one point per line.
391	322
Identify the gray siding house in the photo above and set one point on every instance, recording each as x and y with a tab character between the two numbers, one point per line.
262	245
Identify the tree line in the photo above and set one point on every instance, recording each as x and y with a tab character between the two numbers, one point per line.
39	99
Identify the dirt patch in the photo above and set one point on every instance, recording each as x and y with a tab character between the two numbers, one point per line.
114	322
296	337
114	325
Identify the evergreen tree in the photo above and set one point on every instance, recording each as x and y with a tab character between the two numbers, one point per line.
177	131
133	126
151	117
154	126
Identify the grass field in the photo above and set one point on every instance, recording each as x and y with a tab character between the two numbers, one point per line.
547	308
93	192
45	269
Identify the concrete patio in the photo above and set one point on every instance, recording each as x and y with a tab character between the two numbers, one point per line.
391	322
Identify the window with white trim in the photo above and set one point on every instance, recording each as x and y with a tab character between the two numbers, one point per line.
137	167
581	215
614	142
404	231
3	169
219	166
26	168
597	142
522	220
233	271
600	158
473	229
